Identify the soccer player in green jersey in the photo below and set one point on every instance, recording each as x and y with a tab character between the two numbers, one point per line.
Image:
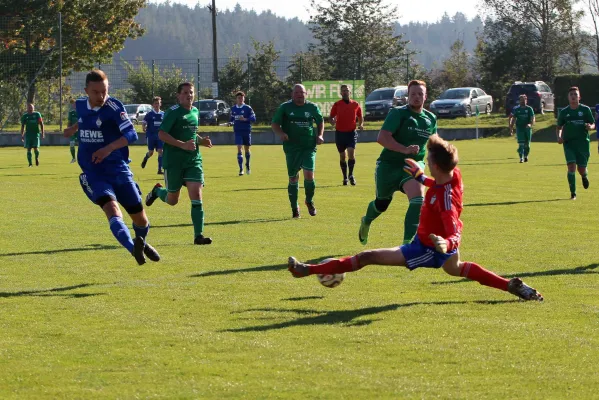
524	117
72	120
294	123
182	160
573	125
31	124
404	134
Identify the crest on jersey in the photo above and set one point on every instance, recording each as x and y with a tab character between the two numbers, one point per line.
433	199
307	114
580	113
98	122
291	113
80	121
124	116
427	121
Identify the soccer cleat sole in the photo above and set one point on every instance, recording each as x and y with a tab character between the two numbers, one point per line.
152	196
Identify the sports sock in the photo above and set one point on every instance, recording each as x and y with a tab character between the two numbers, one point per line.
412	218
309	188
485	277
247	159
240	160
345	264
526	149
197	217
572	182
37	154
521	150
162	193
29	156
351	163
141	231
73	152
121	232
371	213
147	156
343	166
293	190
159	161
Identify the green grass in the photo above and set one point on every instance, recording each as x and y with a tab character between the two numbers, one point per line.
485	121
80	319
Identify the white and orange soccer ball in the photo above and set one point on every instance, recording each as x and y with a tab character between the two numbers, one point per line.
330	281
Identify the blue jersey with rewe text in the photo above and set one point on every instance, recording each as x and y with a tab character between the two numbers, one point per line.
153	120
98	127
245	111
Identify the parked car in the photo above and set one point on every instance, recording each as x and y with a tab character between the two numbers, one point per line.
462	102
212	111
137	112
539	95
400	97
379	102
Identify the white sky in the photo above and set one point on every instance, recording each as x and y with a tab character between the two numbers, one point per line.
425	11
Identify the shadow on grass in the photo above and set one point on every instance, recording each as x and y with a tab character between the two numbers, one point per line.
54	292
587	269
345	317
482	164
89	247
235	222
26	175
274	267
303	298
511	203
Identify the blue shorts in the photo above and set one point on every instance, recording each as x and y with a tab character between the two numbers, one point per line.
154	143
343	140
120	187
418	255
243	138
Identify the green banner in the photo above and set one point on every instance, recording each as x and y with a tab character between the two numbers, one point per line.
327	93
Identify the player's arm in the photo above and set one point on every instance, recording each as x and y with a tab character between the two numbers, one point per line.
414	169
451	226
590	120
360	118
560	127
511	123
22	128
252	117
40	121
385	138
320	126
167	138
71	130
333	115
277	120
144	123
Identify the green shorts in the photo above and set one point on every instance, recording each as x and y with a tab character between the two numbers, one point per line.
32	140
523	135
577	152
390	178
300	159
175	176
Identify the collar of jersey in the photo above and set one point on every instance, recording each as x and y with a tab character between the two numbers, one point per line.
89	107
239	106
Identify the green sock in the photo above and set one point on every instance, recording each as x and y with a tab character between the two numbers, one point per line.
293	190
521	150
412	218
37	154
526	150
29	156
162	193
572	182
371	213
73	152
309	188
197	217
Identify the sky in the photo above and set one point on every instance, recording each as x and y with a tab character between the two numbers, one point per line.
408	10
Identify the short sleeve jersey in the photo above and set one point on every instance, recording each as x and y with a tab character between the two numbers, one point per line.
248	113
72	118
298	123
408	128
573	122
153	121
31	122
523	115
182	124
98	127
346	114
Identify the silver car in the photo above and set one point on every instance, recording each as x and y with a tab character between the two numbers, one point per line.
462	102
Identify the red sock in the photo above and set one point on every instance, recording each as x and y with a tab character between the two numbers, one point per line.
346	264
485	277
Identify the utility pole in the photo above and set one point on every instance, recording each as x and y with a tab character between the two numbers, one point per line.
214	52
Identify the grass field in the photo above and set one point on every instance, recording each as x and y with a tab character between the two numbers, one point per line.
80	319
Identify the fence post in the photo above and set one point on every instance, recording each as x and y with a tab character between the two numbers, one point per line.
249	81
301	68
198	80
153	67
60	68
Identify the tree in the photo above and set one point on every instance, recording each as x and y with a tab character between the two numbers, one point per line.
91	32
456	68
356	40
266	90
307	66
145	84
593	6
232	77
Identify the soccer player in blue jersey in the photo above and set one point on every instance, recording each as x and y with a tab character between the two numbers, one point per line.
105	131
150	125
242	117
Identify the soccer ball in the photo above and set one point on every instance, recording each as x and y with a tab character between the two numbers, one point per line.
330	281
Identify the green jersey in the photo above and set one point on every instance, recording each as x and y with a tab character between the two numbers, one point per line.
523	115
72	118
298	123
573	122
408	128
181	124
31	122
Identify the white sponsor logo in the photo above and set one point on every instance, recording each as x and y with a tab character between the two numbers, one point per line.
91	136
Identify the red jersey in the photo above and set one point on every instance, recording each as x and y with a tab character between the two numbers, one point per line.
440	213
346	114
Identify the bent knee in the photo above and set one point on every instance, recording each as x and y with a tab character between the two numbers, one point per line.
382	204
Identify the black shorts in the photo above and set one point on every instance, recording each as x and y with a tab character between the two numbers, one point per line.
343	140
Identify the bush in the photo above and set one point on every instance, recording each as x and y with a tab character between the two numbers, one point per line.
588	84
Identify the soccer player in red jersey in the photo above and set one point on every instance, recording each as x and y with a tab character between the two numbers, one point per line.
439	231
344	114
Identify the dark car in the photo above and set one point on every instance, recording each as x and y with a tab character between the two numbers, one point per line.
213	112
539	95
379	102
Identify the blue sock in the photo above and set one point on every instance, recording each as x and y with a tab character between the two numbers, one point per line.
121	232
159	161
240	160
247	160
141	231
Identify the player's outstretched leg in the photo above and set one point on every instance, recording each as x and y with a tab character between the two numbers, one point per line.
122	234
375	208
